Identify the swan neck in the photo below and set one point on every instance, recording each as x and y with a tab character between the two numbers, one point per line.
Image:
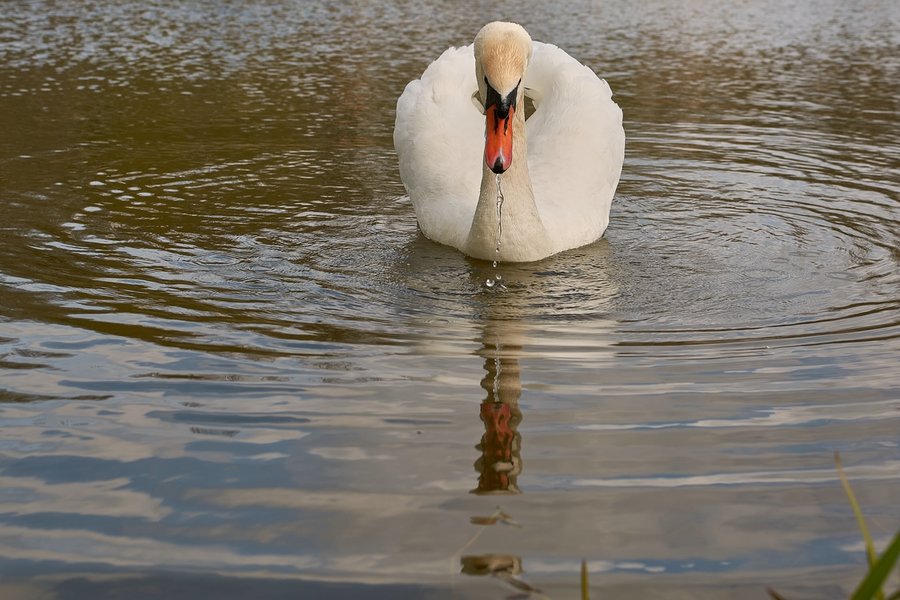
520	236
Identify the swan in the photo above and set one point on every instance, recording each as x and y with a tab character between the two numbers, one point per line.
485	181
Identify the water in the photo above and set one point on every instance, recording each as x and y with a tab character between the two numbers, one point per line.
231	367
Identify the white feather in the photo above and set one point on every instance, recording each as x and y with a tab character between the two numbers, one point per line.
439	137
576	147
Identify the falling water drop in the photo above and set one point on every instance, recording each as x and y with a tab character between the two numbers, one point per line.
499	214
490	283
495	281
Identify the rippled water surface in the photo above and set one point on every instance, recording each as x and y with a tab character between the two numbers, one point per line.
230	366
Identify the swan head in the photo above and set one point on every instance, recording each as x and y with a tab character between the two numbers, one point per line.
502	53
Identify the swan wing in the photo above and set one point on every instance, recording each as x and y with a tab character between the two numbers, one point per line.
576	146
439	138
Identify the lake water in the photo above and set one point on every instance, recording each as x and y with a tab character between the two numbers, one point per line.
231	367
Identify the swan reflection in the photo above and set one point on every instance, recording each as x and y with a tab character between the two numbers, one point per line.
560	292
491	564
501	445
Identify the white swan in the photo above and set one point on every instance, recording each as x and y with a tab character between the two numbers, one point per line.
463	123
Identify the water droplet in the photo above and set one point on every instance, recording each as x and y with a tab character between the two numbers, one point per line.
489	283
499	214
495	264
498	276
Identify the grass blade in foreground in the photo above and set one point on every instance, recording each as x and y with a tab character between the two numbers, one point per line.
879	567
870	547
871	585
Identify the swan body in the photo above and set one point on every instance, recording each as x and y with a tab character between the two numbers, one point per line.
460	132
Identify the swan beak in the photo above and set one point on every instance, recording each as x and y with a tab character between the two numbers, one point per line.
498	129
498	139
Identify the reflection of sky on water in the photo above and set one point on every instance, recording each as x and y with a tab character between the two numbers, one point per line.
779	416
889	471
170	478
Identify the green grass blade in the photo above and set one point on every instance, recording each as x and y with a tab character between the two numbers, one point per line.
870	547
871	585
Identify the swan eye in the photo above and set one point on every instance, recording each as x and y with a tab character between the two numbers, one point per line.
503	103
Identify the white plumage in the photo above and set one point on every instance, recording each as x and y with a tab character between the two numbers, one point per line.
575	150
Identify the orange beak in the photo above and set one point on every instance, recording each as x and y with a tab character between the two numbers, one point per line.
498	139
